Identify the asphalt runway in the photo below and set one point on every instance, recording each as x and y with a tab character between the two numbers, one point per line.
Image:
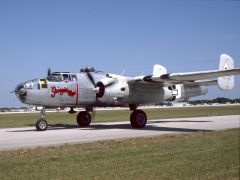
14	138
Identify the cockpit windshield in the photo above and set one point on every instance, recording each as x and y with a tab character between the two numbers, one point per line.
62	76
56	77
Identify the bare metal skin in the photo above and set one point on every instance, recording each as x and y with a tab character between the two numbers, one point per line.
90	89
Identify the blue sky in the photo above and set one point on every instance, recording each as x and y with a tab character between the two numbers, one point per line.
115	35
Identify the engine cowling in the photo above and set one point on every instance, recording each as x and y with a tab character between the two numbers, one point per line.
102	85
112	91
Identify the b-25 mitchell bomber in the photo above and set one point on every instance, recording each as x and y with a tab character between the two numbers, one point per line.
90	89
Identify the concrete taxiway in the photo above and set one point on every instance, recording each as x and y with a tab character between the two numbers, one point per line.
14	138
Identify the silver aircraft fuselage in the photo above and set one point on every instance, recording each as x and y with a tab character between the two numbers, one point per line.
91	88
75	90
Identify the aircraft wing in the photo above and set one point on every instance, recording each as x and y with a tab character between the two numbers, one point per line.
186	78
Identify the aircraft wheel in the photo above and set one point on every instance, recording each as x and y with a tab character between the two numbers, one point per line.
138	119
41	125
84	118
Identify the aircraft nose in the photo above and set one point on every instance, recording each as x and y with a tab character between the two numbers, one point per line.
21	91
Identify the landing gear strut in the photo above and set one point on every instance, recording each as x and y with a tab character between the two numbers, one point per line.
41	124
138	117
72	111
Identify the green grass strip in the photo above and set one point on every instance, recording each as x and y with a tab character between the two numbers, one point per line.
201	155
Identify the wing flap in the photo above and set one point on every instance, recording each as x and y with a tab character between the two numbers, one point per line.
205	83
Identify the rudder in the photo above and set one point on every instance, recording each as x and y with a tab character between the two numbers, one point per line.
227	82
159	70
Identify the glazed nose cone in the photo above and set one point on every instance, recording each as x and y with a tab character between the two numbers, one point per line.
21	92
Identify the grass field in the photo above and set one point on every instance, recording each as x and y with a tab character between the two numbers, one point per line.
20	120
202	155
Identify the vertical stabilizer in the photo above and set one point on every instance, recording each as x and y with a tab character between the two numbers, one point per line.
227	82
159	70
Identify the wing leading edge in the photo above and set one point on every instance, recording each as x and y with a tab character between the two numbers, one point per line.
194	76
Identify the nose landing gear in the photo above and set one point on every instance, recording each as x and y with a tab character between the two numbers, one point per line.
41	124
83	119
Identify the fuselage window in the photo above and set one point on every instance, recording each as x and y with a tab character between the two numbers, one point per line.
44	85
36	86
74	77
66	77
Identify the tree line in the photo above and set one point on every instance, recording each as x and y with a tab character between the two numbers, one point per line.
219	100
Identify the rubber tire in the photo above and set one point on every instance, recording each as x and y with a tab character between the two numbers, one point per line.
84	119
41	125
138	119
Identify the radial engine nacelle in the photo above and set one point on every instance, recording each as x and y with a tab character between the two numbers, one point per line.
184	92
115	93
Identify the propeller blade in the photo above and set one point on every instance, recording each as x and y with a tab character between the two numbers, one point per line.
90	77
110	84
48	72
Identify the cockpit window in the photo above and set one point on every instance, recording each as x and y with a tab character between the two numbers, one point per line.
61	76
55	77
66	77
74	77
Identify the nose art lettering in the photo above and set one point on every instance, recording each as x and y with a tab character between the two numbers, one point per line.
62	91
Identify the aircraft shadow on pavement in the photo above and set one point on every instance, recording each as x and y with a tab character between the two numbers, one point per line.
191	121
149	127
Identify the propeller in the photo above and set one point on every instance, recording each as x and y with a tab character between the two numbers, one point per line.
100	86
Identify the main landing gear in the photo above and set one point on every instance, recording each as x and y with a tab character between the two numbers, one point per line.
138	117
84	118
